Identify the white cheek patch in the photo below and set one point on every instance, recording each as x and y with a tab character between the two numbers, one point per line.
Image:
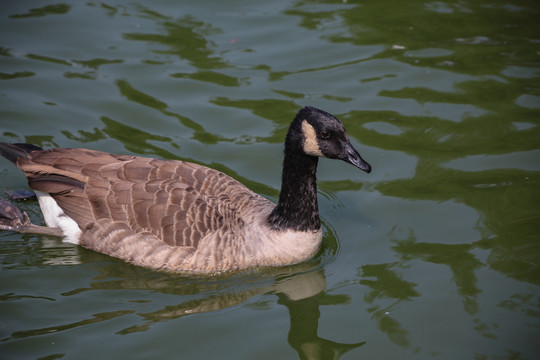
311	145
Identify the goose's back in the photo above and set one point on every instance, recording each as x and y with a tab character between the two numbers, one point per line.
147	211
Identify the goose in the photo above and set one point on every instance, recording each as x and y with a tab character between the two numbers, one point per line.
178	216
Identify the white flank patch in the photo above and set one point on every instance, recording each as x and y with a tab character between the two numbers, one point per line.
55	217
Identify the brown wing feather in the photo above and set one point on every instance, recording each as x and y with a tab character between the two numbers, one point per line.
175	201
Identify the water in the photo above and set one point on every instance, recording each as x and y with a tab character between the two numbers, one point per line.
435	254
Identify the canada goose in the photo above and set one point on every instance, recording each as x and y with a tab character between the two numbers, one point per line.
180	216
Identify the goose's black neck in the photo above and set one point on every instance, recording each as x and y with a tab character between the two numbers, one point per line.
297	208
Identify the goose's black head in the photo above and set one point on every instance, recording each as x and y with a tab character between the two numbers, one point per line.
318	133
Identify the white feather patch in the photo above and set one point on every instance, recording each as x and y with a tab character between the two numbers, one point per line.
311	144
55	217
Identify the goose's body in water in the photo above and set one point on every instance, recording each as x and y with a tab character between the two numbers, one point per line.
179	216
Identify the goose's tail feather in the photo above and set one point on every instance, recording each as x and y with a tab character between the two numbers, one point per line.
14	151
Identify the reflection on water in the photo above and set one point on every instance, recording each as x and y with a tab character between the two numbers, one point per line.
301	291
46	10
303	335
194	46
461	263
141	98
387	285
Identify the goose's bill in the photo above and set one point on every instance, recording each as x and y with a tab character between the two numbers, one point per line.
352	156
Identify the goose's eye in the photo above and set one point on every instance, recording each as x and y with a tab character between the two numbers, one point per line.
325	134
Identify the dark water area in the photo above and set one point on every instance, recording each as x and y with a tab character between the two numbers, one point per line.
435	254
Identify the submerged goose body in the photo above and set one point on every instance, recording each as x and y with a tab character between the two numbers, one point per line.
180	216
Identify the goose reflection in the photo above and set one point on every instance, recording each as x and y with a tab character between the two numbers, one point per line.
301	289
302	295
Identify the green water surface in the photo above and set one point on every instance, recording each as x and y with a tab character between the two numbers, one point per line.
434	255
